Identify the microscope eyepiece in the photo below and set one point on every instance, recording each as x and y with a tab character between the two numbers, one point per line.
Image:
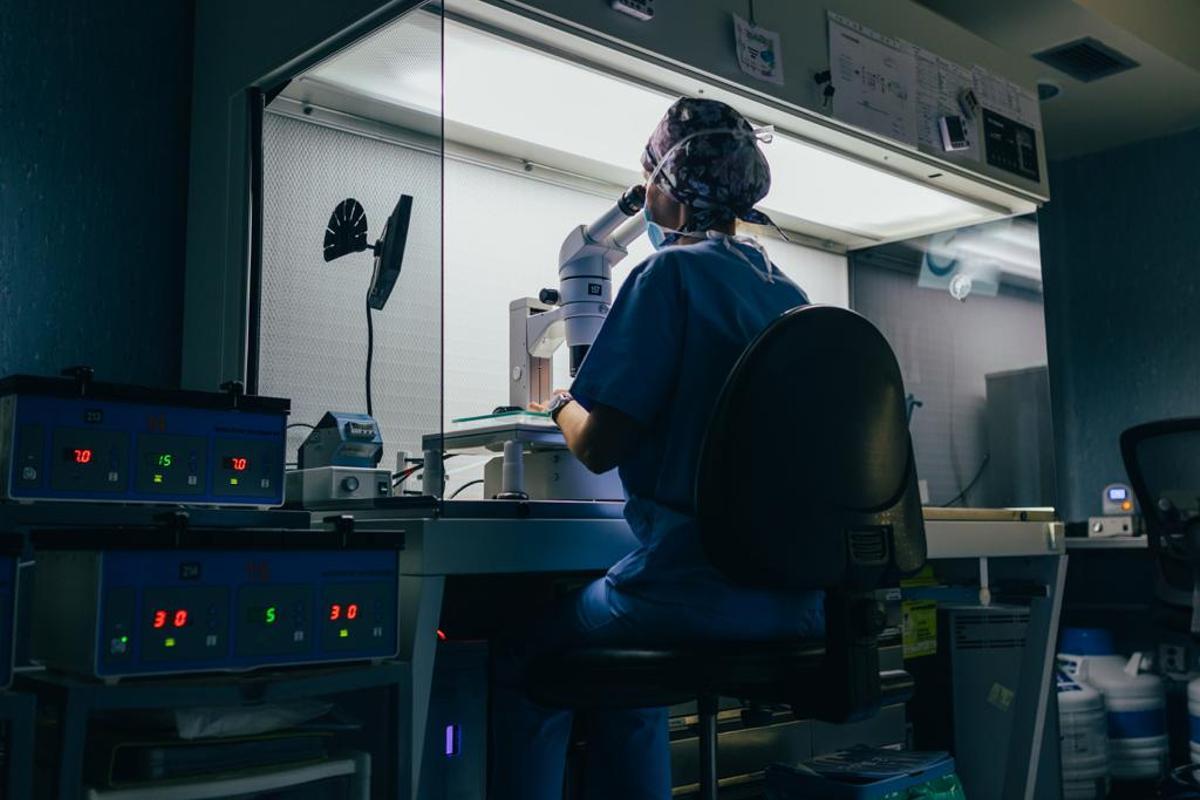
632	200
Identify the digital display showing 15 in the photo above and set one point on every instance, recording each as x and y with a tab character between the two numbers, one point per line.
164	460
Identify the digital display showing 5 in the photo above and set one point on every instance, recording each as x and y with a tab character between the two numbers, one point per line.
263	615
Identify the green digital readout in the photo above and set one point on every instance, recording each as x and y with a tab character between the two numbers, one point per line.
269	615
164	459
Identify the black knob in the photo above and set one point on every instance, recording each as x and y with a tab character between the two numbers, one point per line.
549	296
350	484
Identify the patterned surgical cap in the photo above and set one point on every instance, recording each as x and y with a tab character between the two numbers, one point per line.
718	176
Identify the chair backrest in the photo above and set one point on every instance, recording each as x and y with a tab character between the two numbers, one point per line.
1162	460
806	478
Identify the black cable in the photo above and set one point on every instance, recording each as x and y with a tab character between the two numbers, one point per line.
978	474
400	477
302	425
370	353
466	485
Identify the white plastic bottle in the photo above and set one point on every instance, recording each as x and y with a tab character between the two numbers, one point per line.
1137	722
1083	728
1193	693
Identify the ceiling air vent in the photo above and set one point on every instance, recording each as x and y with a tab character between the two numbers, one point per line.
1086	59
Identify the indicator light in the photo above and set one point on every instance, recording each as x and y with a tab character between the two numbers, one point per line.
343	634
169	641
1127	506
158	478
124	640
233	481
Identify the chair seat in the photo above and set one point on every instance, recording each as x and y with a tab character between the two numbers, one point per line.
643	676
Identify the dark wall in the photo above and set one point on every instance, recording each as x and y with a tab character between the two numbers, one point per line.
94	116
1121	262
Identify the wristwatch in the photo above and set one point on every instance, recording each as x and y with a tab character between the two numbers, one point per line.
558	403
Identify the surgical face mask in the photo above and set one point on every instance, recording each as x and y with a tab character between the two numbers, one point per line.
654	232
659	236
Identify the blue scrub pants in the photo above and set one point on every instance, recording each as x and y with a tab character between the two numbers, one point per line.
628	756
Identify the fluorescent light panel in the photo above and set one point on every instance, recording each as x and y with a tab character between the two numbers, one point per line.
497	86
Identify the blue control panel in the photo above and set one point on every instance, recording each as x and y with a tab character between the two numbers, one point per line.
118	613
108	446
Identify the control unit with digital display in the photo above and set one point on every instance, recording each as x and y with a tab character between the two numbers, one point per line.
127	612
77	440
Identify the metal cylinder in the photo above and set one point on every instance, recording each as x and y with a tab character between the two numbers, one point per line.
433	475
512	476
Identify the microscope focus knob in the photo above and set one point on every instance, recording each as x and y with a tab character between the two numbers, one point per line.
350	484
549	296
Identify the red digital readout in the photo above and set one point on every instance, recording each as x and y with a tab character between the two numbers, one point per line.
336	611
83	456
177	618
236	463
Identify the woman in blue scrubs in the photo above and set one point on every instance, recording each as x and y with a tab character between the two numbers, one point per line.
641	402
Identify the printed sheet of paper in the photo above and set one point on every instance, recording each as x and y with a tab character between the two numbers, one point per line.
758	51
874	80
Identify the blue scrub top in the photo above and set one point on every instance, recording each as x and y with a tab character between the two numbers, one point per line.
681	320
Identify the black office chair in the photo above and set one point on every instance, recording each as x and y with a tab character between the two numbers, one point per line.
1163	462
806	481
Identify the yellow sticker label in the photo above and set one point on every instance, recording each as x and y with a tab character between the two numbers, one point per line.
1001	697
919	620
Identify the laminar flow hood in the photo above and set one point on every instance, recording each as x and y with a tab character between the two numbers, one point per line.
538	90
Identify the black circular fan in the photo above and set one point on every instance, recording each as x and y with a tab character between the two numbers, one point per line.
347	230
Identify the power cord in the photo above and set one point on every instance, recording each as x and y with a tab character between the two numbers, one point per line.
978	474
466	485
370	353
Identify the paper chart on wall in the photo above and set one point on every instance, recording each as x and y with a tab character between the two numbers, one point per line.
939	83
874	79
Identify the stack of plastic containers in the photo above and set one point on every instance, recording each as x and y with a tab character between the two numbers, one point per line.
1134	702
1193	694
1083	727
